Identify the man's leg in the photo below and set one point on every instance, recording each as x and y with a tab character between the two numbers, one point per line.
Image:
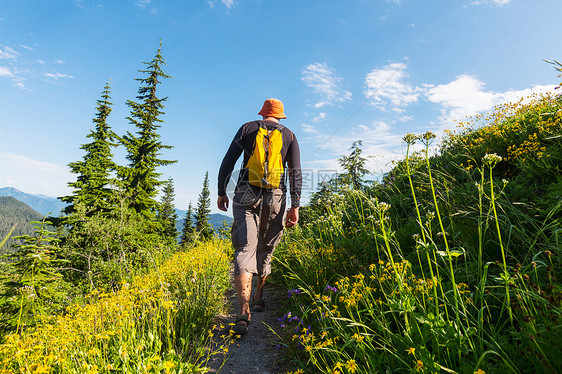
244	239
259	288
244	288
271	229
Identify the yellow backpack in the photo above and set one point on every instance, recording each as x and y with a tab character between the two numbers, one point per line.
265	165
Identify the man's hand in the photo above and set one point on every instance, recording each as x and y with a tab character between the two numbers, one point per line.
292	217
222	203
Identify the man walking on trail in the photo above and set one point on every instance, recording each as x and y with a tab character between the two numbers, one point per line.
271	154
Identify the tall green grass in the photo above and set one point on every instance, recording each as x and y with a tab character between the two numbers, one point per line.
439	268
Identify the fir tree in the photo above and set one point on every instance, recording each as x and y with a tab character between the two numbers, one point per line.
167	212
33	287
188	232
354	166
143	147
202	214
93	184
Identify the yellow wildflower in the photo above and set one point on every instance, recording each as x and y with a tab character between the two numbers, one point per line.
169	365
42	369
419	365
479	371
351	366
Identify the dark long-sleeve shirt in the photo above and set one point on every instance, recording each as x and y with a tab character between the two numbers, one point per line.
243	142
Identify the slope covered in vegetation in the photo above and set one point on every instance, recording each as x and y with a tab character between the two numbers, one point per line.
17	215
450	264
159	322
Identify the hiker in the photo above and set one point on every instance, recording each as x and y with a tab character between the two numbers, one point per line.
271	156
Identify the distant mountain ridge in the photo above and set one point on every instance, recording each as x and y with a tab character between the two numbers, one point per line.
215	219
45	205
16	214
52	206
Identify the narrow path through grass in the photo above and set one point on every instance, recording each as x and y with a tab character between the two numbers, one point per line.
255	352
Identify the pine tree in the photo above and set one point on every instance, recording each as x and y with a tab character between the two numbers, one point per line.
354	166
167	212
32	288
188	232
202	214
143	147
93	184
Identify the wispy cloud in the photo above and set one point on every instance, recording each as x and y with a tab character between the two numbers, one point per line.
5	72
7	53
145	4
320	117
26	47
493	2
325	84
58	76
21	86
142	3
379	141
309	129
229	4
34	176
387	87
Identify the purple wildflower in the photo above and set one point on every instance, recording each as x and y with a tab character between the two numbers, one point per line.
328	287
295	291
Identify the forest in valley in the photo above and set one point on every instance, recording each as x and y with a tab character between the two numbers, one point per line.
449	263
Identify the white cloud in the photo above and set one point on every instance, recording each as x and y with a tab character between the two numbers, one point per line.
59	61
58	76
467	96
309	129
34	176
229	4
378	139
495	2
325	84
319	117
41	61
142	3
5	72
7	53
387	89
26	47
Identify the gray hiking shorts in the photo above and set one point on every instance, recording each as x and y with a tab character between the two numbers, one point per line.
257	228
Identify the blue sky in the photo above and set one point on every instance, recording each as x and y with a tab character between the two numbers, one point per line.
370	70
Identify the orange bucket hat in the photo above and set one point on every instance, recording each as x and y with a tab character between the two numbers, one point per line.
272	108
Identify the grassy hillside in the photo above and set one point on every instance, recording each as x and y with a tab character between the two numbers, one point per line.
451	264
14	213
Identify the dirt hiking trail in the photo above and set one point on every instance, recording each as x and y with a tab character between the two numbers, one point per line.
256	351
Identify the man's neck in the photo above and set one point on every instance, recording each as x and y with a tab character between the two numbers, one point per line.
272	119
